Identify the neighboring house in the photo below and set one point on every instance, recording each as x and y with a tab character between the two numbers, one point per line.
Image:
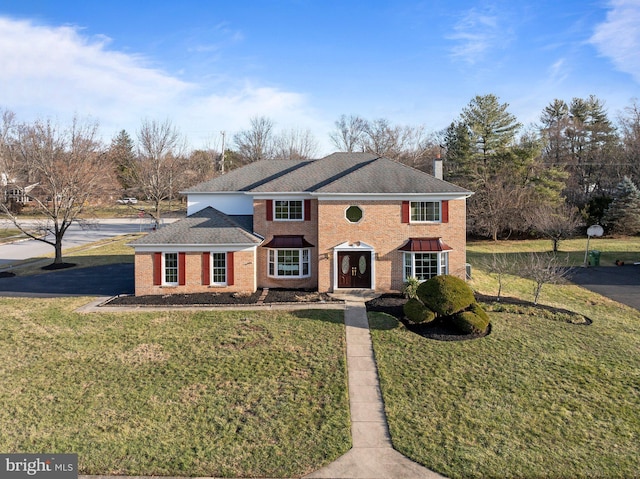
18	194
350	220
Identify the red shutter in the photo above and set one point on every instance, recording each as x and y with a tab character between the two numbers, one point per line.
445	211
405	211
157	269
307	210
230	268
206	273
182	277
269	210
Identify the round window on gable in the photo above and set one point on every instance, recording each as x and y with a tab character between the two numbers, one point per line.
353	214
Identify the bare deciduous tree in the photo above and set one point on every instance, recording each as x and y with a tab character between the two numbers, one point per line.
157	167
543	268
256	143
349	133
556	223
10	165
70	169
497	209
499	266
295	144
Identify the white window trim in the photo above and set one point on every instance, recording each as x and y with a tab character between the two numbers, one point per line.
354	222
164	269
441	255
275	218
428	221
300	263
211	269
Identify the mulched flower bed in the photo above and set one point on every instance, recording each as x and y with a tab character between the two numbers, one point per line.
439	330
212	299
392	304
57	266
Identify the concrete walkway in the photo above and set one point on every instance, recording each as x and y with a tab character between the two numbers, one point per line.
372	455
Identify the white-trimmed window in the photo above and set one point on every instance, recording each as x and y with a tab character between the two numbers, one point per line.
425	211
288	210
289	263
425	265
219	268
170	268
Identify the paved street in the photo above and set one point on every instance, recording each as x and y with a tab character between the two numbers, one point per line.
75	236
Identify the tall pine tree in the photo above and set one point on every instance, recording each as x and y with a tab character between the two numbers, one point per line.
623	214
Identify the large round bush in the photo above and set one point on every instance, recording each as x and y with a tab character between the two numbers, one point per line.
417	312
446	295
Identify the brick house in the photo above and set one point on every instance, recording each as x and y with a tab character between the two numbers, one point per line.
349	220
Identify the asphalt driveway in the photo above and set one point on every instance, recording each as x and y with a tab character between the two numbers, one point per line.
622	284
108	280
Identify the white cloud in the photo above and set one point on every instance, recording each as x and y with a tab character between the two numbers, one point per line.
618	37
558	72
476	33
59	72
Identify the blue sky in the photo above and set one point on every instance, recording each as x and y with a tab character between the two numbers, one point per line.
210	66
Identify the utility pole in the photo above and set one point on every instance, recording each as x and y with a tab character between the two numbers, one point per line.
222	165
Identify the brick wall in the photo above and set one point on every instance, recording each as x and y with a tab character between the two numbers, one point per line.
381	227
308	229
243	266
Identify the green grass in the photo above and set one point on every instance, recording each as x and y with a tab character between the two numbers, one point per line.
10	234
536	398
231	394
115	210
625	249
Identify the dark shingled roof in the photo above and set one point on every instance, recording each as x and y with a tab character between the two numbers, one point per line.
248	177
339	173
208	226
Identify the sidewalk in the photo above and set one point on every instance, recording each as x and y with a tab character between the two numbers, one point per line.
372	455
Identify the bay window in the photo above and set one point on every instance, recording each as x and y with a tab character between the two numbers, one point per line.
289	263
425	265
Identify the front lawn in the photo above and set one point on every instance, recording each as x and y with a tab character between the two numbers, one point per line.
231	394
536	398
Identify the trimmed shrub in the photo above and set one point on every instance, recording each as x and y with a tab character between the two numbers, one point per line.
446	295
468	322
417	312
479	310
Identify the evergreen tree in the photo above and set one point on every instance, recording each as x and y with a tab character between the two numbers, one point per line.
122	155
580	138
623	214
459	151
492	129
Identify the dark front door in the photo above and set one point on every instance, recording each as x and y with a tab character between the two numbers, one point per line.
354	270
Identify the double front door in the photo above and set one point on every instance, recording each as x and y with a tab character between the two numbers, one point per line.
354	269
